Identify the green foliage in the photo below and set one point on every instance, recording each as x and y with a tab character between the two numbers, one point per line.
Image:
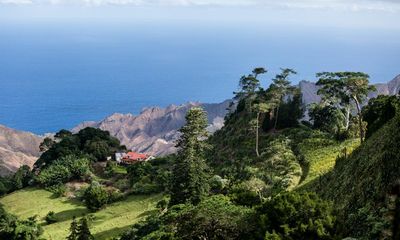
343	88
58	190
64	169
276	92
73	229
50	217
95	196
62	134
80	230
54	175
83	230
6	185
295	216
90	141
379	111
189	181
15	229
23	177
218	184
46	144
213	218
327	118
150	177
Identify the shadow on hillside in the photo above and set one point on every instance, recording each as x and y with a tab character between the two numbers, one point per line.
69	214
114	232
305	170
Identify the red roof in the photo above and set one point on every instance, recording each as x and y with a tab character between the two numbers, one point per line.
135	156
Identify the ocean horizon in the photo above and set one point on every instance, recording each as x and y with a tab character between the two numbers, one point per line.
57	75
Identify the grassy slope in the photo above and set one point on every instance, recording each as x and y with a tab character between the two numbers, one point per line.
107	223
321	158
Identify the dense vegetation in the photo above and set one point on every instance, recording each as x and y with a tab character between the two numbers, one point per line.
265	175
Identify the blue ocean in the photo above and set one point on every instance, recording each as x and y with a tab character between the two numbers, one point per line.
54	77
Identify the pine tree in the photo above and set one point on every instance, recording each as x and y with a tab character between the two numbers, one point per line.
83	230
73	230
189	177
279	89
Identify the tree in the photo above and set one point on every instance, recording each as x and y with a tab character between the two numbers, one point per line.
189	178
46	144
347	87
73	230
95	196
23	177
326	117
260	108
84	231
248	86
27	229
62	134
279	89
80	230
259	70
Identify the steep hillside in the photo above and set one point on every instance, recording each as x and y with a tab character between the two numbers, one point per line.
17	148
155	129
360	183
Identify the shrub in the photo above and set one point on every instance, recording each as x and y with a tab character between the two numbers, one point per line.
95	196
296	216
54	175
218	184
58	190
122	184
50	218
64	169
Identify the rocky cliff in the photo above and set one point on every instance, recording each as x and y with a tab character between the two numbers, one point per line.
155	130
17	148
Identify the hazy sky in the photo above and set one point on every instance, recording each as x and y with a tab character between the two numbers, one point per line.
382	14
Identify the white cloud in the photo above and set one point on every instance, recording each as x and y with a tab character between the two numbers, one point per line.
343	5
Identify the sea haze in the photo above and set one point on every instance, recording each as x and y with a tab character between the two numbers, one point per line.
55	75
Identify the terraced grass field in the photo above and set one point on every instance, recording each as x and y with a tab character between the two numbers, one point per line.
105	224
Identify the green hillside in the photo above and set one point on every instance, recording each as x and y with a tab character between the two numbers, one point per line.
360	184
105	224
320	158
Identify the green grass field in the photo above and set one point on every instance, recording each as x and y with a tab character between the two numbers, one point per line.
106	223
321	158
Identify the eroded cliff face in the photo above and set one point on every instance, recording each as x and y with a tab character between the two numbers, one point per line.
155	130
17	148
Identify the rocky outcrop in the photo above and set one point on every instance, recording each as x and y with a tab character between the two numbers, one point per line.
155	130
17	148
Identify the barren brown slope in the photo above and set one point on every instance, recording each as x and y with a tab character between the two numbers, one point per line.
17	148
